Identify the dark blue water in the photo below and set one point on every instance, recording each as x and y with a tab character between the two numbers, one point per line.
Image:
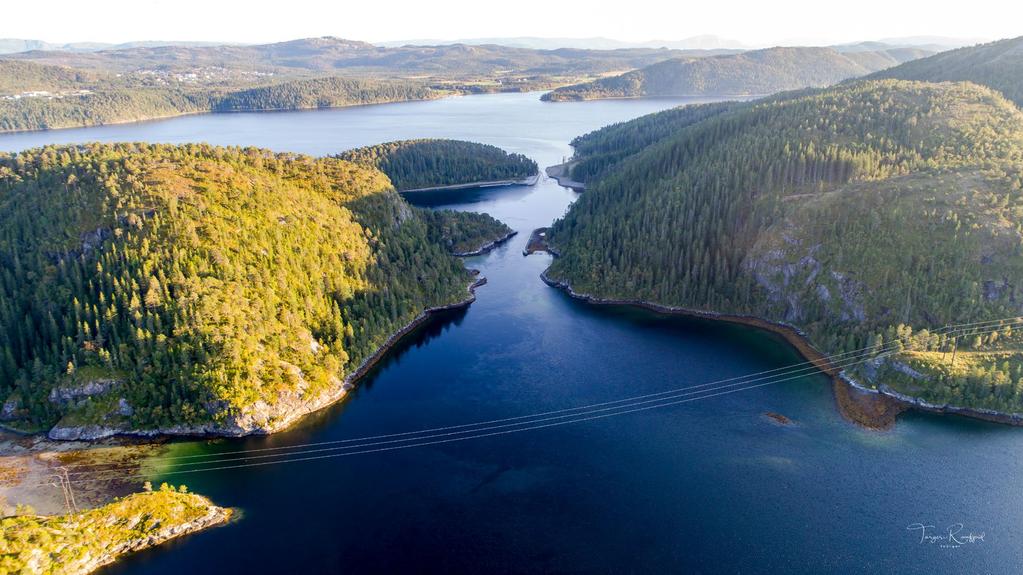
710	486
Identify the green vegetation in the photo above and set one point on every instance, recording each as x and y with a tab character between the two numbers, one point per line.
97	108
856	213
322	93
81	99
82	542
145	286
16	77
464	232
144	82
998	65
417	164
600	151
750	73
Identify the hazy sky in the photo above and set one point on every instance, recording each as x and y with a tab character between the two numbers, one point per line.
752	22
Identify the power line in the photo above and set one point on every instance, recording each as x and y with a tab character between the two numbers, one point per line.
808	366
676	393
473	434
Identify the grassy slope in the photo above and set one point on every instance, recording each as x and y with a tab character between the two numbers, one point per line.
848	211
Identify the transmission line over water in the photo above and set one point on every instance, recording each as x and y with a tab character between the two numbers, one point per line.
189	464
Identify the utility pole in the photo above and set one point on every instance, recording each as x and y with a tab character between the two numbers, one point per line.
63	489
955	347
70	491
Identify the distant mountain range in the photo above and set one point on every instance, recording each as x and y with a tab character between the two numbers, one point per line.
706	42
703	42
16	45
330	54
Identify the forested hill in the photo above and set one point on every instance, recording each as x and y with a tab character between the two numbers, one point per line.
860	213
758	72
428	163
36	97
17	77
998	65
196	288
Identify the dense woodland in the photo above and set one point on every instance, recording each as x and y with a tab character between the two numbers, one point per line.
416	164
856	213
463	232
756	72
98	99
997	64
193	282
322	93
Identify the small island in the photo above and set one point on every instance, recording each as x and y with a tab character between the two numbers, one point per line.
82	542
779	419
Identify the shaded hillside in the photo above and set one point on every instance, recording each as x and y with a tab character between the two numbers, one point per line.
194	288
998	65
861	214
750	73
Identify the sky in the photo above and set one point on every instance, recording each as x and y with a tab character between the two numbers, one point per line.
754	23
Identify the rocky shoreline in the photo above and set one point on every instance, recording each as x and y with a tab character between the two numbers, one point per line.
279	416
560	173
878	416
487	247
527	181
214	516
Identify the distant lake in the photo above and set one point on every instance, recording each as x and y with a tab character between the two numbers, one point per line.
711	486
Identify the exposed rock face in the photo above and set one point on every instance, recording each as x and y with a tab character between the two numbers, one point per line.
791	281
995	289
69	394
9	411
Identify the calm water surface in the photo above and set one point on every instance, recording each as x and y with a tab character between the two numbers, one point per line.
705	487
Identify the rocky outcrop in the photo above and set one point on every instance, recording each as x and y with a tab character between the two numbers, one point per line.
67	394
790	280
9	410
87	564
